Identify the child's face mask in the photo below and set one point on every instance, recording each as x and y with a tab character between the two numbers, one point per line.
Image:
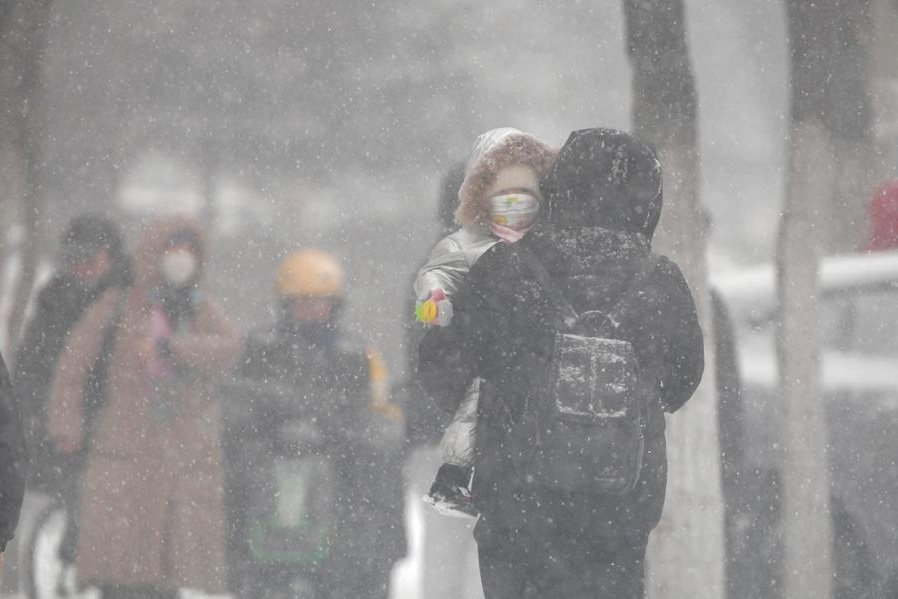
516	210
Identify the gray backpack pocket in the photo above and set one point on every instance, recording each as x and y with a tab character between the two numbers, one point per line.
590	420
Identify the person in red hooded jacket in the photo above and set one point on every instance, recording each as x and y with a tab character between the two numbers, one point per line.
883	213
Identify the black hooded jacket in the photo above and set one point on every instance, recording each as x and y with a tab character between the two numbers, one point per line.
59	306
603	204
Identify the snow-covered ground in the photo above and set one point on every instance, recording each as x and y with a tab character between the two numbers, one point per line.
751	292
405	582
406	579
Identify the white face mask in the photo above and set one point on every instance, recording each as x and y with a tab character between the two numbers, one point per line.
517	210
178	267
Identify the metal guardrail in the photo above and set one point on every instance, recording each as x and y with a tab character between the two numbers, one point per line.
750	293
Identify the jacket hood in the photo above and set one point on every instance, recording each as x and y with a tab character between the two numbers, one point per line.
493	151
154	242
605	178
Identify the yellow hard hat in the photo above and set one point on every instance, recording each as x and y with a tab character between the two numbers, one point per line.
310	273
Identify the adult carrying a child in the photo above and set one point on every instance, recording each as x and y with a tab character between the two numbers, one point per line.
583	339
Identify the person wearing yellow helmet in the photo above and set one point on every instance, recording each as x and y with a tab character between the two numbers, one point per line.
311	273
326	512
311	285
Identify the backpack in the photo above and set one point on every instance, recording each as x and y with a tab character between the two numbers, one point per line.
290	429
582	428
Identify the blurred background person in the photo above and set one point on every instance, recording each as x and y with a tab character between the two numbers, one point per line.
91	258
882	211
151	513
338	385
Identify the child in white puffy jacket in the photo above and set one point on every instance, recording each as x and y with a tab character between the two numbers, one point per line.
499	202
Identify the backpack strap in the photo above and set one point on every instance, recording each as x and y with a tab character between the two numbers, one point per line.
568	317
649	265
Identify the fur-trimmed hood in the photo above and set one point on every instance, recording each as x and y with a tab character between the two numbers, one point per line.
493	151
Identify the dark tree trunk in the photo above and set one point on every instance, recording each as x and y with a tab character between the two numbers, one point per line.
884	87
884	71
849	118
686	558
23	27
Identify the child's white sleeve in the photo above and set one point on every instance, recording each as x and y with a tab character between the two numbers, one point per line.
445	269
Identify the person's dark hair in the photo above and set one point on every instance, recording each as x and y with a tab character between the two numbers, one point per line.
448	201
187	237
91	230
86	235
